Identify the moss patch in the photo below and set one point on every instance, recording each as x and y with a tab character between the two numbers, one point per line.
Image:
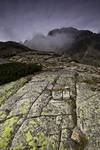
7	129
40	142
9	89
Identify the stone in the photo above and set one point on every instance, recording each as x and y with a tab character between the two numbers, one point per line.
57	109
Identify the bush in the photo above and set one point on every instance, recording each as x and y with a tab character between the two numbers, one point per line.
13	71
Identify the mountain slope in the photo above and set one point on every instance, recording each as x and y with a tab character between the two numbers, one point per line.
10	48
81	45
85	48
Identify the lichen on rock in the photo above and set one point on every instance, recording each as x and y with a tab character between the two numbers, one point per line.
57	109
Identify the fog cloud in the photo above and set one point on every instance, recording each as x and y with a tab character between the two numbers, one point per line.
55	42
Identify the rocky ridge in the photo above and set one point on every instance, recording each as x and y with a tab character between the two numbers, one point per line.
80	45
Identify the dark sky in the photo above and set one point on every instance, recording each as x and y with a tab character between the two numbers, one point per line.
20	19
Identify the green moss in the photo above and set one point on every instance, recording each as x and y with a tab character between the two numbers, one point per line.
9	89
29	139
40	141
18	147
24	107
45	142
7	131
2	115
5	91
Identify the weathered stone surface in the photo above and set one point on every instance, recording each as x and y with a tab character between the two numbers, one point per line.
88	110
55	110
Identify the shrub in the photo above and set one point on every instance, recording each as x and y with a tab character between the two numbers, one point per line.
13	71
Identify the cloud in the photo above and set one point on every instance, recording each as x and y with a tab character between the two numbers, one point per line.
26	16
55	42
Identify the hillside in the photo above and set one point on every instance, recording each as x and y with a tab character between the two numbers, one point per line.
9	48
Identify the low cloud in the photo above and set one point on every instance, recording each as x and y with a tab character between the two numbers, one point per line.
56	42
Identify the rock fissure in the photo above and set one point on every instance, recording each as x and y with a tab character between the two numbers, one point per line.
17	127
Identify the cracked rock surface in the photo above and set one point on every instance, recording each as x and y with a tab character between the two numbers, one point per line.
55	110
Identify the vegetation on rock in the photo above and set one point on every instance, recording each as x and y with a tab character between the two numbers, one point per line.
13	71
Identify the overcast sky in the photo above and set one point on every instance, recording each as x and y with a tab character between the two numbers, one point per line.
20	19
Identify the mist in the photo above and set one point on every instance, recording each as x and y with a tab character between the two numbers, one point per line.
55	42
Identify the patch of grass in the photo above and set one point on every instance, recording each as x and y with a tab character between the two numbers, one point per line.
14	71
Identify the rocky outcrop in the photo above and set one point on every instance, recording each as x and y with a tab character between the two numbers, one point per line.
56	109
